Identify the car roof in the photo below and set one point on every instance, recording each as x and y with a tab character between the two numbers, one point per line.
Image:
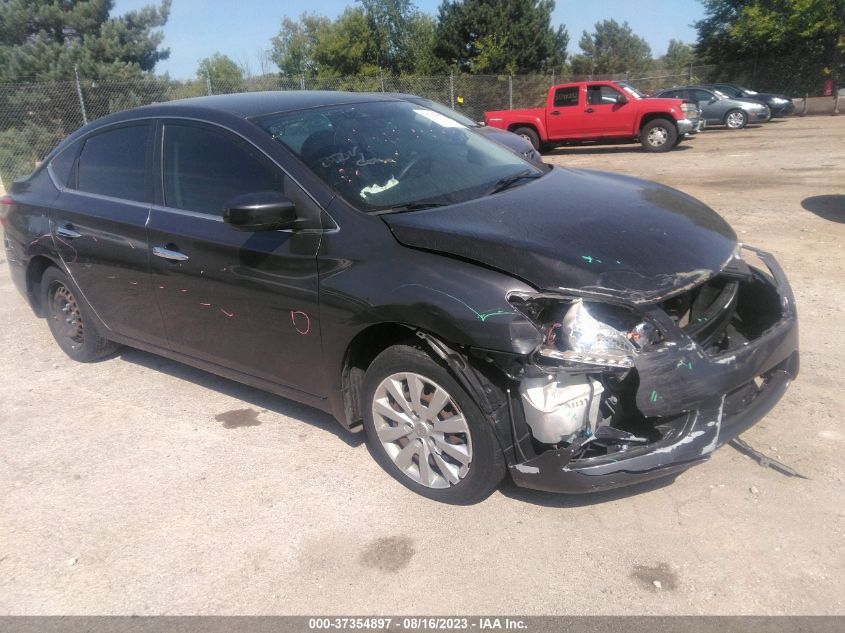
253	104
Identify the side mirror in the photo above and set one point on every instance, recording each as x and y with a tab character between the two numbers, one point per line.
621	99
713	100
260	211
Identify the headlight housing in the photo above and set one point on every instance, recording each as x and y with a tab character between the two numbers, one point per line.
589	335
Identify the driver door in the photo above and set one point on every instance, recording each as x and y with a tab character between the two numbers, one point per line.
242	300
608	112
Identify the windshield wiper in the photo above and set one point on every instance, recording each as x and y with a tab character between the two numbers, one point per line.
414	206
508	181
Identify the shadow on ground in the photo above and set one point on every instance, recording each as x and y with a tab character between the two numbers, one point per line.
559	500
585	150
828	207
256	397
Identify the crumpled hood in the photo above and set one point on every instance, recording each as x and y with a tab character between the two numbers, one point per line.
615	236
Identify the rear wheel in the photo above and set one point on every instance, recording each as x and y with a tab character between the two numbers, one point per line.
736	119
426	431
529	135
659	135
69	320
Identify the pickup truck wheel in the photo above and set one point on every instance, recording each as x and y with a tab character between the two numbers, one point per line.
736	119
426	431
529	135
659	135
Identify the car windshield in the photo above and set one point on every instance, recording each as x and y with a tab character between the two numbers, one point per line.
630	89
445	111
396	155
731	91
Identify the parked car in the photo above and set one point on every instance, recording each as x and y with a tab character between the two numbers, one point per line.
599	111
719	109
475	314
780	105
513	142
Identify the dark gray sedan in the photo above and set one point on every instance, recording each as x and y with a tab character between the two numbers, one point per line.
719	109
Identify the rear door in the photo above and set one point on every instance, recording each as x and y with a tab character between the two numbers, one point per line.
242	300
99	228
565	113
608	112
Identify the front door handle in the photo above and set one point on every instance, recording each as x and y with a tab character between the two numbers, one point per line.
67	231
169	254
555	112
589	110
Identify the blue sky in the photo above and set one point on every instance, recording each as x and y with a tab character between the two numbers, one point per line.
199	28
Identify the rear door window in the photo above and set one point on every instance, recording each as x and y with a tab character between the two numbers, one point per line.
565	97
114	163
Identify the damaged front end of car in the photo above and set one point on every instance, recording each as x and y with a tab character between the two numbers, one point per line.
617	393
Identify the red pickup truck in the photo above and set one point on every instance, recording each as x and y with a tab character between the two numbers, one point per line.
600	111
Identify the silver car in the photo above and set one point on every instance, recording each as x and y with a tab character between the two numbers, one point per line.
717	108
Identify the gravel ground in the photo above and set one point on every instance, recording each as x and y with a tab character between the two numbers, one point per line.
141	486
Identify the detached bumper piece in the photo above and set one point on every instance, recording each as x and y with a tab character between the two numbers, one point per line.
697	389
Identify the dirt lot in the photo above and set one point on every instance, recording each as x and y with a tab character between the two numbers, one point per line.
141	486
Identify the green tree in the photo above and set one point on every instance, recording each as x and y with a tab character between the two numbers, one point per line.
46	41
346	47
500	36
678	57
43	40
223	73
612	48
802	41
293	48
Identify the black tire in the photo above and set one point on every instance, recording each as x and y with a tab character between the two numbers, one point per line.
659	135
529	135
78	337
739	115
487	466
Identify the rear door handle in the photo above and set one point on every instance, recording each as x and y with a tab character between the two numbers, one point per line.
589	110
555	112
68	232
169	254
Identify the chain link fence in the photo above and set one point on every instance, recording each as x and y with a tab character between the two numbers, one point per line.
34	117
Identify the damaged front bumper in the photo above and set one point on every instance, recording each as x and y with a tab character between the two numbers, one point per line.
696	399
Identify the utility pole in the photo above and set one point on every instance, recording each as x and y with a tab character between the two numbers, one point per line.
79	94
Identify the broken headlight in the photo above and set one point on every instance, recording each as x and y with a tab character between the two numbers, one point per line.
590	335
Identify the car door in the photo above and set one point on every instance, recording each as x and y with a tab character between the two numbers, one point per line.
242	300
99	228
711	110
608	112
566	114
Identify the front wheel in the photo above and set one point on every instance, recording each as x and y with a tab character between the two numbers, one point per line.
425	430
736	119
659	135
69	319
529	135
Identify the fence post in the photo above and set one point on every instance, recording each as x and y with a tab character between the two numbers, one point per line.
690	73
208	84
302	81
510	92
836	101
452	89
381	78
81	99
553	77
804	107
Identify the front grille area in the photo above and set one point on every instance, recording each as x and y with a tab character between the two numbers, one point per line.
726	312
